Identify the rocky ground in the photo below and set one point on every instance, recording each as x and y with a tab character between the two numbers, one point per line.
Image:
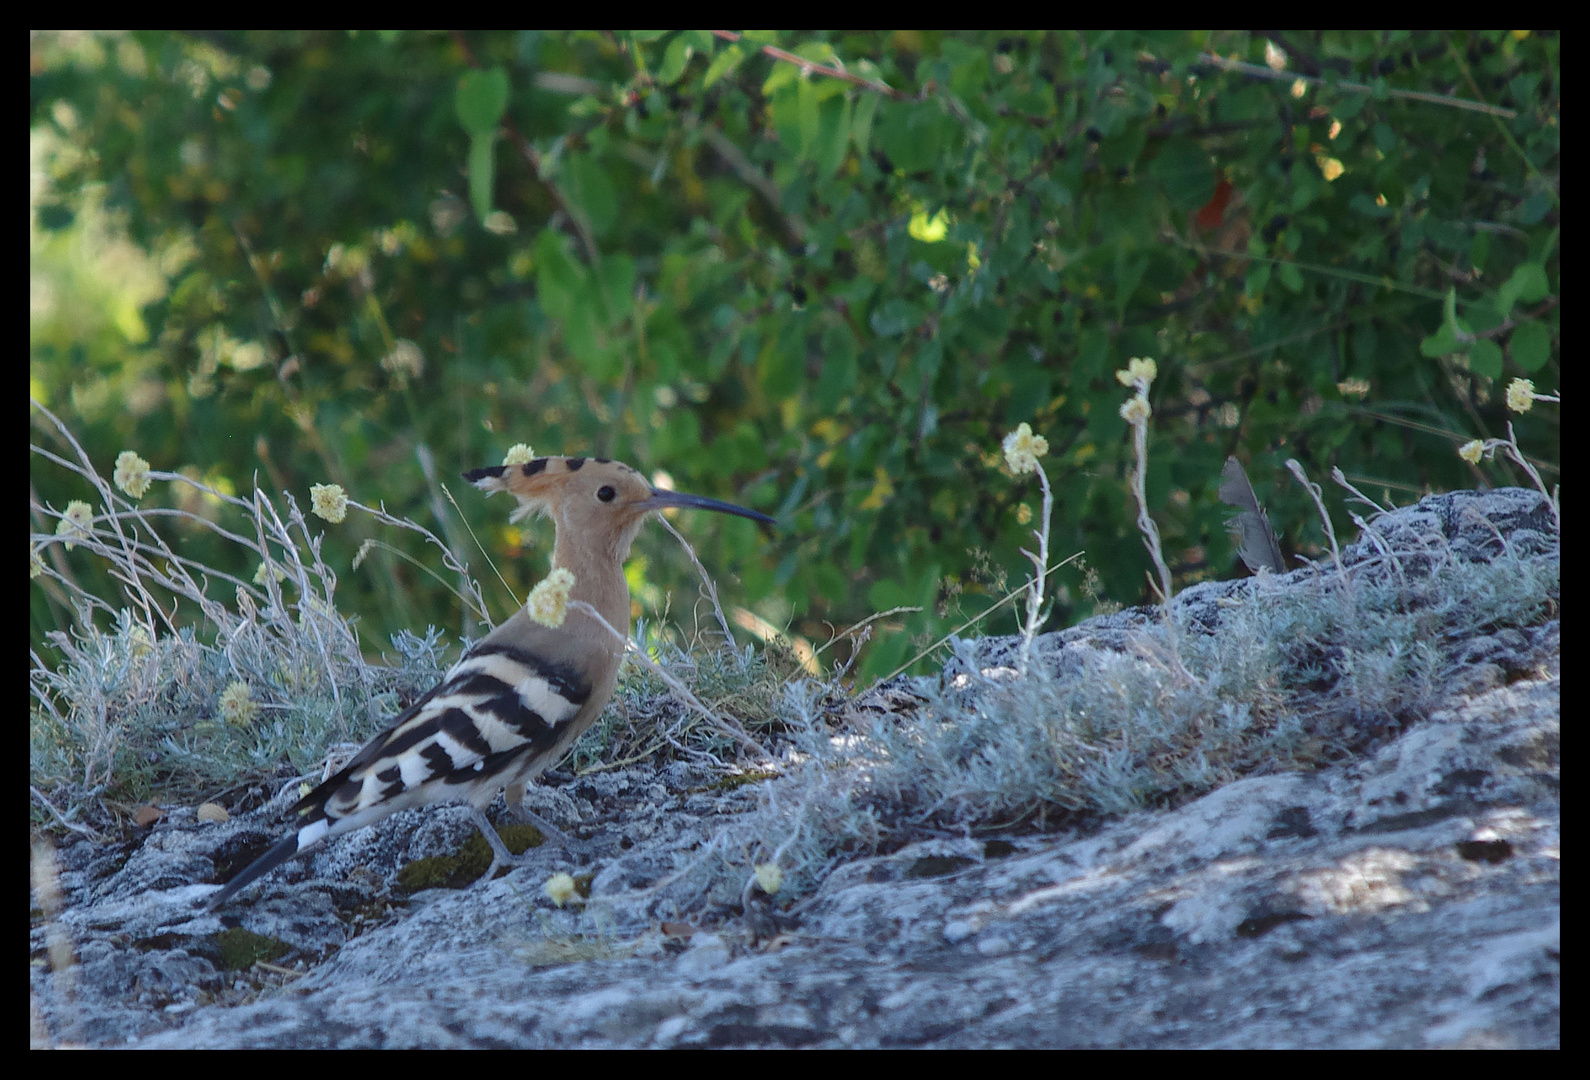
1408	897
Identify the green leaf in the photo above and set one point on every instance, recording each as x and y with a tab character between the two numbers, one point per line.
806	113
1440	343
592	191
893	319
617	275
780	371
725	62
1480	250
560	281
1485	358
1531	279
861	120
783	74
912	134
833	131
1528	283
1445	339
1183	169
1530	345
482	173
1290	276
1535	207
1128	275
675	59
481	99
648	36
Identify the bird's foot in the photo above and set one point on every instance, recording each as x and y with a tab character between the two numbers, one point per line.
502	858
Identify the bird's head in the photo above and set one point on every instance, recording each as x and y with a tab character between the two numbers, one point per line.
595	502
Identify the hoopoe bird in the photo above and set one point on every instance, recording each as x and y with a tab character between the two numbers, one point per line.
519	698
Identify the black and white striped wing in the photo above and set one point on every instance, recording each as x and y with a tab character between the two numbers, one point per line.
497	707
495	711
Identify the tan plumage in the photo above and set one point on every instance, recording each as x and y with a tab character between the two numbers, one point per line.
519	698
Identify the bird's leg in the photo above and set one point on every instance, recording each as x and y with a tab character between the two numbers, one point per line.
514	797
543	826
584	850
500	855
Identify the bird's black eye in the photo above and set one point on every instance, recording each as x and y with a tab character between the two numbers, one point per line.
606	493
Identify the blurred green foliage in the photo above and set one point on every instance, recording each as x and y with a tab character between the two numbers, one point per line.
821	275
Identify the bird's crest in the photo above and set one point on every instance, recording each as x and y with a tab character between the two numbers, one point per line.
536	483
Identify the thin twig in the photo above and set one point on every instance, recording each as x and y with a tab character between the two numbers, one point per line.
733	731
706	582
1258	71
1296	469
812	66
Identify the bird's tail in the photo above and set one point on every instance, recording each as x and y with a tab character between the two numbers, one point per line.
288	847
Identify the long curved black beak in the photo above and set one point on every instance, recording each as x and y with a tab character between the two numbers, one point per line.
663	500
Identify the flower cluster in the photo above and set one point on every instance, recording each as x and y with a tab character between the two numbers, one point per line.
770	877
518	454
236	705
560	889
131	474
549	601
1023	449
1139	373
329	501
75	522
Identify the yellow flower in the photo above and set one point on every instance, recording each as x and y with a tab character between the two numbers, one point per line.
518	454
929	230
1274	58
329	501
1520	395
268	568
560	889
74	523
882	490
1330	167
770	877
1336	129
236	708
1353	387
1471	451
132	474
1023	514
548	603
1023	449
500	223
405	359
1137	410
1140	371
1299	88
35	564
